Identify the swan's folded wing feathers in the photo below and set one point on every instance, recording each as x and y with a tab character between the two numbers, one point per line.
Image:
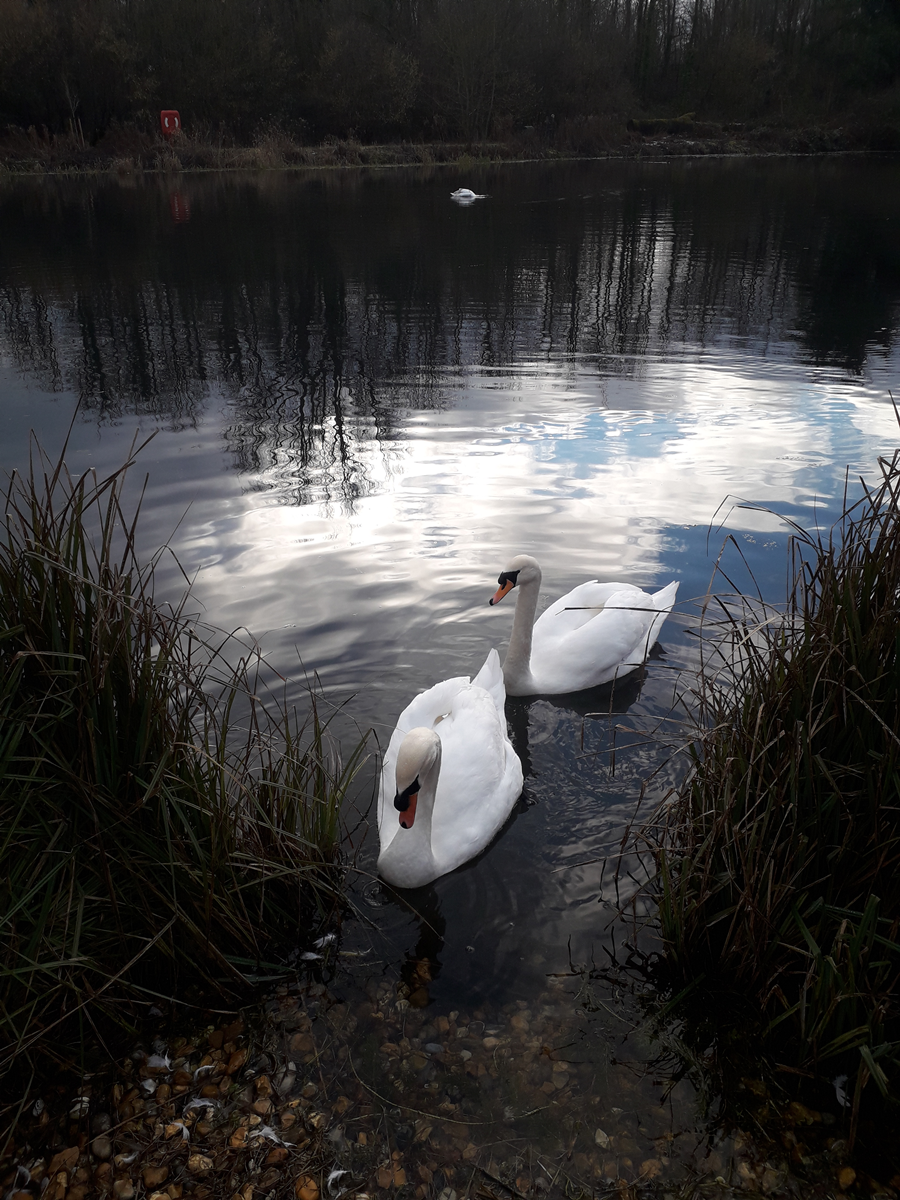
434	702
616	637
663	600
473	787
582	605
490	677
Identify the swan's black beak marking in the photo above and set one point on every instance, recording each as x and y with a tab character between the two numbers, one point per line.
406	802
507	581
402	799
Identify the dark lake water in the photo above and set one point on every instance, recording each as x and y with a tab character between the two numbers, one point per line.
369	398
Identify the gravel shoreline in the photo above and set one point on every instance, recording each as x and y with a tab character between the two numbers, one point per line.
363	1093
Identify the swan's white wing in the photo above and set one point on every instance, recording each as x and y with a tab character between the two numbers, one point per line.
490	677
595	633
663	600
581	605
480	779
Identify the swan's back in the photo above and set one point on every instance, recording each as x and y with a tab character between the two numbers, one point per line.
596	632
479	783
580	606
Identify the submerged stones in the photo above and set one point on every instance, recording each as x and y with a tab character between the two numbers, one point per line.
369	1096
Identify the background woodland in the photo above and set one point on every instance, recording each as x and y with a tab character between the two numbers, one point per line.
440	70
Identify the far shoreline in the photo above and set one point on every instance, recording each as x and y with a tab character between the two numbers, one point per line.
131	152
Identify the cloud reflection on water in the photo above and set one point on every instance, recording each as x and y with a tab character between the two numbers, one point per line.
589	488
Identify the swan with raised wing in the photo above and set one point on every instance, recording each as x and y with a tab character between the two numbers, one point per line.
449	780
595	633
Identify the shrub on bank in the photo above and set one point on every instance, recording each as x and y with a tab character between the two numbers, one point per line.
163	824
779	862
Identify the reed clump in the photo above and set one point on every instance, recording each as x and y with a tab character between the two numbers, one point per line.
779	861
165	823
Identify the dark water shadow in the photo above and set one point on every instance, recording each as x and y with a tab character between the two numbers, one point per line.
596	704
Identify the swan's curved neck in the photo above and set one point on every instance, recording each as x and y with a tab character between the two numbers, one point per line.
517	664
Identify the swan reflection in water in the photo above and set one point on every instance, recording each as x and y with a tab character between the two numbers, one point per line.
596	704
422	964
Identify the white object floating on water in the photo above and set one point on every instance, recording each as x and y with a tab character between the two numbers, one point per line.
466	196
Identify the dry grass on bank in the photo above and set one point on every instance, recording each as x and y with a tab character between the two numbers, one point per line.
165	824
127	150
779	863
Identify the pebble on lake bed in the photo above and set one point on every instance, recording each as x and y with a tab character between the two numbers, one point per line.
306	1188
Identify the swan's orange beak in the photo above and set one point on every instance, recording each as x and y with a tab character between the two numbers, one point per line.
409	813
501	592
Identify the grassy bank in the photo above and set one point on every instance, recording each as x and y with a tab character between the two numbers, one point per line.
165	824
127	150
779	862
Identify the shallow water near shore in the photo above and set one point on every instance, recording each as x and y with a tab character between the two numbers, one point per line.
366	399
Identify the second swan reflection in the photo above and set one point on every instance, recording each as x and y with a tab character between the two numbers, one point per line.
450	765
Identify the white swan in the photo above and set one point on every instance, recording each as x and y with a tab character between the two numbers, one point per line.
594	633
450	778
465	195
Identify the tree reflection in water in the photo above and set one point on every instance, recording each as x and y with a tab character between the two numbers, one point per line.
321	309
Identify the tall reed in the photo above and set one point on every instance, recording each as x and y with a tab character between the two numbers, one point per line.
779	861
163	821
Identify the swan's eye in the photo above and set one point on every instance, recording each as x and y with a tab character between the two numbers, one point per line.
508	577
402	799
